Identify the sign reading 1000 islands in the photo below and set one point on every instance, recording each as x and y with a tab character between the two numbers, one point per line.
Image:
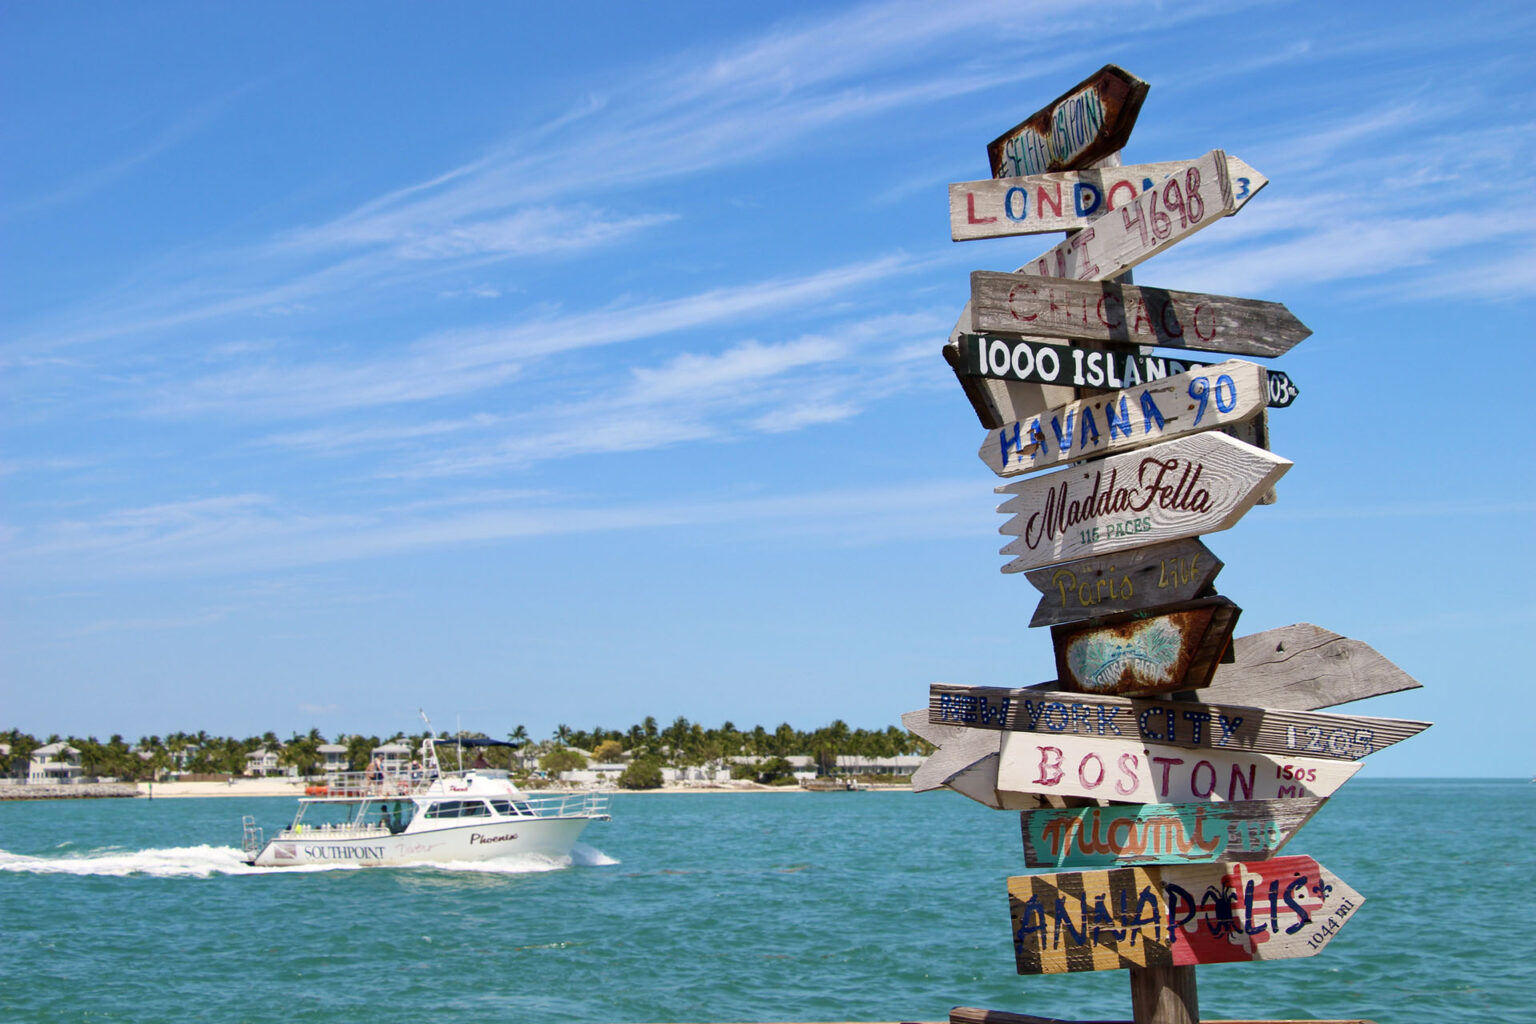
1182	488
1041	362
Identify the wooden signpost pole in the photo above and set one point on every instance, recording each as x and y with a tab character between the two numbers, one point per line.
1160	773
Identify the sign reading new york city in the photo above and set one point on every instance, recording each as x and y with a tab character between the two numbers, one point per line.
1182	488
1190	724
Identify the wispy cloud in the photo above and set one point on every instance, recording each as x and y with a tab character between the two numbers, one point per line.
253	532
454	363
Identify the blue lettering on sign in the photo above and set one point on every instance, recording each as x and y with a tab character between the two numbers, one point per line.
1081	190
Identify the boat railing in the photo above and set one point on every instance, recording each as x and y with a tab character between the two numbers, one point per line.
252	841
333	830
380	784
569	805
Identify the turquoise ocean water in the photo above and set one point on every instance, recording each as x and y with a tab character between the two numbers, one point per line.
793	907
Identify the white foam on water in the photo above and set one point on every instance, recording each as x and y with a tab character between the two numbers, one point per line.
170	862
205	861
586	856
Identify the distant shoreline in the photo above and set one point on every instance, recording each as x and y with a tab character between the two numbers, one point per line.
286	787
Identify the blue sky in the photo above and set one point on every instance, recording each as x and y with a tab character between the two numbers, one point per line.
540	366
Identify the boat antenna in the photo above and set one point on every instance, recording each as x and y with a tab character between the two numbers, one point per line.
423	713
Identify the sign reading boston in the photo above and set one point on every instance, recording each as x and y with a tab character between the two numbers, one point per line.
1181	488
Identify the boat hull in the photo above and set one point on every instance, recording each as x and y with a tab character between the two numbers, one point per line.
491	840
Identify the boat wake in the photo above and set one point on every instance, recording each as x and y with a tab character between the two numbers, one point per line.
206	861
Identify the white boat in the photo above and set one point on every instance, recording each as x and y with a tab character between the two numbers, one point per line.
423	816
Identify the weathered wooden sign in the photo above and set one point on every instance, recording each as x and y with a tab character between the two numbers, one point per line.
1182	488
1155	773
1094	837
968	765
1136	654
1145	226
1171	407
1069	200
1127	581
1050	712
1108	311
1089	121
1304	667
1044	362
1176	915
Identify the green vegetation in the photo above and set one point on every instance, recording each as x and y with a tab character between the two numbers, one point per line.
647	747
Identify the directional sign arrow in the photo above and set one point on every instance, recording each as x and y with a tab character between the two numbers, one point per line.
1107	311
1137	654
1156	773
1145	226
1069	200
1282	390
1304	667
965	762
1093	837
1047	712
1176	915
1045	362
1089	121
1181	488
1126	581
1136	417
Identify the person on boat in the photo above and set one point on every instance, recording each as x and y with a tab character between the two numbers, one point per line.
376	770
415	772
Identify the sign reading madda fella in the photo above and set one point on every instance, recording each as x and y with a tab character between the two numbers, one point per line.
1125	458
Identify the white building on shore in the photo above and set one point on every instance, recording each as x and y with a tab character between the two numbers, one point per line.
54	763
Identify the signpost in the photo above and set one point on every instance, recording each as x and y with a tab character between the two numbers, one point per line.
1069	200
1128	581
1171	407
1095	837
1089	121
1181	488
1107	311
1176	915
1170	779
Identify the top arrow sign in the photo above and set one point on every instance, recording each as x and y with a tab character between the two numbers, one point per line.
1086	123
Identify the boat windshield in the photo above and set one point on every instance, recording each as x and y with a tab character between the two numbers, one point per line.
458	809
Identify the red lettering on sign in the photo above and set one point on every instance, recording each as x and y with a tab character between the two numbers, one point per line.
1041	199
970	211
1110	200
1051	765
